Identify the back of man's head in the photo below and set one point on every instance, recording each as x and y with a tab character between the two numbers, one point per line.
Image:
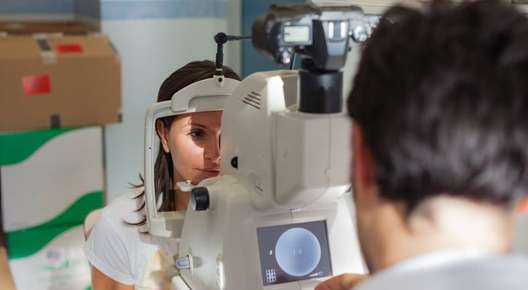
441	95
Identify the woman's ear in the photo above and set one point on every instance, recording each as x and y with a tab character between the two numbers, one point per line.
163	133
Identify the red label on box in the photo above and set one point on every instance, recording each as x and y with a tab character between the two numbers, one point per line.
69	48
36	85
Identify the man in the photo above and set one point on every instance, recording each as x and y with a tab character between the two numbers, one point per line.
440	146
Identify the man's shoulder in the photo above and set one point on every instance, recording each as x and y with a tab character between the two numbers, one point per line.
492	273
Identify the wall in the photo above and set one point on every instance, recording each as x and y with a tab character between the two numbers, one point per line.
87	9
36	9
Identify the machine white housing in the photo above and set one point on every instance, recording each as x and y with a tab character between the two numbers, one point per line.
293	168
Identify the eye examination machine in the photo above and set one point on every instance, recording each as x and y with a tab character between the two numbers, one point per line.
280	214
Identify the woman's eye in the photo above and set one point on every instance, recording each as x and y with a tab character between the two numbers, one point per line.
197	133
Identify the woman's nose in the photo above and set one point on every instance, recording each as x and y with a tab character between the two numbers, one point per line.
212	151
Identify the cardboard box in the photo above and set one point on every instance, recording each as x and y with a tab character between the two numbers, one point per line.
55	80
49	181
60	265
50	177
32	27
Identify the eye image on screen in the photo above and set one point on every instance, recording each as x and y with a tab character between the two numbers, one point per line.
294	252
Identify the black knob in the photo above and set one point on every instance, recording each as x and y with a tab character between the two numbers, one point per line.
234	162
221	38
199	198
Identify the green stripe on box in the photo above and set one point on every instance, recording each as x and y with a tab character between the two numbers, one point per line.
26	242
18	146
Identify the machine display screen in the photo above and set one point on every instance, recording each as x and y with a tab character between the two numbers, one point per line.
296	34
294	252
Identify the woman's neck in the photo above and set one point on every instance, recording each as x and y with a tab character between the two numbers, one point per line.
181	199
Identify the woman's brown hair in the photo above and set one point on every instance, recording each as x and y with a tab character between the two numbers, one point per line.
163	170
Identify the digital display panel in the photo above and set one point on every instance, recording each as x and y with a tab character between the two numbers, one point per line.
296	34
294	252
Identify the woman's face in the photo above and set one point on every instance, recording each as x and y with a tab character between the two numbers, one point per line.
193	142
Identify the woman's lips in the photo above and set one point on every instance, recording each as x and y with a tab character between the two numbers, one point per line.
210	170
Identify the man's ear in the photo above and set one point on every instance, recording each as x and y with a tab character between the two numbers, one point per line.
163	133
522	206
363	168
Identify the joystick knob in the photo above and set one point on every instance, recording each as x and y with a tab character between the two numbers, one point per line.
199	198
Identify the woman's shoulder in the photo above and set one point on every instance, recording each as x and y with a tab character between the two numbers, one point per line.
116	247
125	209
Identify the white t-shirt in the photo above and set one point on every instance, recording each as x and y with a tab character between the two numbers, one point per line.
121	252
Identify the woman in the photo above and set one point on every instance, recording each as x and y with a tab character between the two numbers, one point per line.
121	257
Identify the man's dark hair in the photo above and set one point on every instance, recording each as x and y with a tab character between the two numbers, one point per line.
441	97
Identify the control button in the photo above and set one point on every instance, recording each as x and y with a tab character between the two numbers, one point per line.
360	33
234	162
271	276
199	198
183	262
